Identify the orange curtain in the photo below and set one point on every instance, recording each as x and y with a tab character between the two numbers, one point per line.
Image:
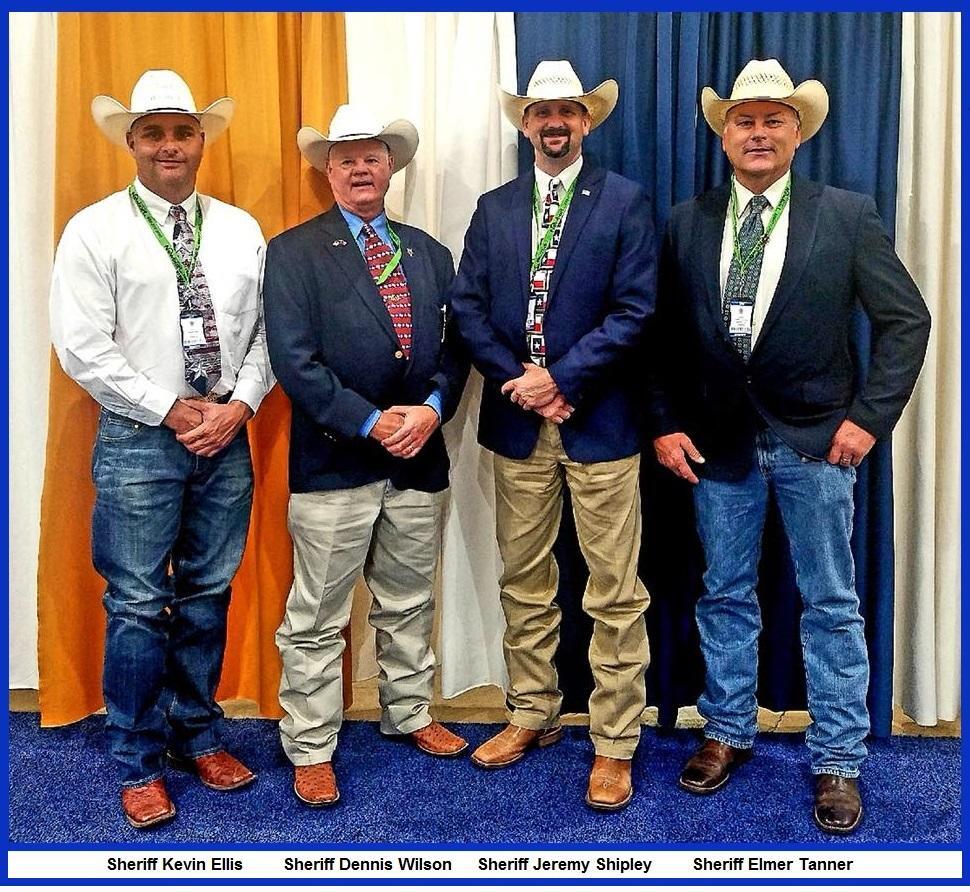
283	70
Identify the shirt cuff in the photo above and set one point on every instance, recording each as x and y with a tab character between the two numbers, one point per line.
434	400
369	423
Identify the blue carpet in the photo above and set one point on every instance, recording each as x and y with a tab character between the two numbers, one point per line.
63	790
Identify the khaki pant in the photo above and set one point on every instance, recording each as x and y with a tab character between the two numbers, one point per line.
393	538
606	507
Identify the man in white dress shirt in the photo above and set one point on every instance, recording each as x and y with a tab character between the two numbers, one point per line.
155	311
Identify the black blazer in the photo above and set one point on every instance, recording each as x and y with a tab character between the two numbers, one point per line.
333	348
802	379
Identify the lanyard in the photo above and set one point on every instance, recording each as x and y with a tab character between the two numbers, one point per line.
546	239
184	272
758	246
393	263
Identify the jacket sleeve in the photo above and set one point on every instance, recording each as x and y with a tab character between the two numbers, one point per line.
293	349
630	306
900	326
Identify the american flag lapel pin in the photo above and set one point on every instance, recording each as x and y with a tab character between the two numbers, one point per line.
339	243
585	191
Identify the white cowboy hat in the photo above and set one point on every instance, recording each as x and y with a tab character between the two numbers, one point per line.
557	80
764	80
351	122
158	91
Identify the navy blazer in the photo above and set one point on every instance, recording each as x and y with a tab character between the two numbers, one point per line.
802	379
601	295
334	351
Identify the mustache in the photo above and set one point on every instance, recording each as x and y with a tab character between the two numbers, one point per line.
550	132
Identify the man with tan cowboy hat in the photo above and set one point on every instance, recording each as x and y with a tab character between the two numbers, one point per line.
760	397
358	331
554	289
155	311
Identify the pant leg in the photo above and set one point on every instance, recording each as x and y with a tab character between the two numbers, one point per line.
331	534
400	573
730	523
215	522
528	508
140	474
815	499
606	506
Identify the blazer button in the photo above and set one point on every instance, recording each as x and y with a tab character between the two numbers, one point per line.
747	378
399	354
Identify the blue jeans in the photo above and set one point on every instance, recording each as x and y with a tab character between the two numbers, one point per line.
814	499
168	535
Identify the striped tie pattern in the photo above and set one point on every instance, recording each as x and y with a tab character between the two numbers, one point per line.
203	361
539	285
394	290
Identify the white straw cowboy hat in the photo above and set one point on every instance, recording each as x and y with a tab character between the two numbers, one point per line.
557	80
351	122
159	91
764	80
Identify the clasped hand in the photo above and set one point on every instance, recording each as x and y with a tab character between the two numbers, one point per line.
206	428
403	430
536	390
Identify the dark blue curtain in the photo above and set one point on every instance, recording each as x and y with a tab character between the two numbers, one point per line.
658	136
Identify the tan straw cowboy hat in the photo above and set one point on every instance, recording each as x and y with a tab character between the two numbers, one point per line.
158	91
351	122
764	80
557	80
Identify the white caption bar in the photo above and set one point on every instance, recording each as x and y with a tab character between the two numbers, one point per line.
523	864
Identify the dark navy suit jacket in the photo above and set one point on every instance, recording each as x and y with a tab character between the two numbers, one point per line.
334	351
802	379
601	295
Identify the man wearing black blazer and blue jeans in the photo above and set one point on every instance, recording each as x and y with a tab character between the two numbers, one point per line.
759	394
357	328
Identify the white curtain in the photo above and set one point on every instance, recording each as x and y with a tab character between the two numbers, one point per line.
440	71
926	446
31	140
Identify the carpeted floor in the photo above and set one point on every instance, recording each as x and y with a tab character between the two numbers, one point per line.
63	790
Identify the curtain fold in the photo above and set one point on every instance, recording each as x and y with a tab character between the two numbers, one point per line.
270	63
658	137
927	440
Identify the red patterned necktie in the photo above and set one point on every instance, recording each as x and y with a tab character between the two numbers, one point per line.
394	289
539	285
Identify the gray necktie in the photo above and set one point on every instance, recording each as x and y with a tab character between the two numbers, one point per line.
742	287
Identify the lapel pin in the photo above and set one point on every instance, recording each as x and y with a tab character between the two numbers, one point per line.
410	252
585	191
339	243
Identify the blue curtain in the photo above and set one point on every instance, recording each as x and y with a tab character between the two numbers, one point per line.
658	136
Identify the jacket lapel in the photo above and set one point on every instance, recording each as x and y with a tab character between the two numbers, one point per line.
518	228
424	306
802	225
339	244
585	195
710	232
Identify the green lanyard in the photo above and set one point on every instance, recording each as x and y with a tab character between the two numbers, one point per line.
758	246
546	239
394	262
184	272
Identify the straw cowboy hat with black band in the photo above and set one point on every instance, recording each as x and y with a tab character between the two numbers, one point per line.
764	80
352	123
556	80
159	91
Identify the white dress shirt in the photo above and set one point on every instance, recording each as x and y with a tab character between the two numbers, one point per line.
115	305
774	256
543	182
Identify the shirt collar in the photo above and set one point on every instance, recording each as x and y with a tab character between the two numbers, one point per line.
566	177
773	193
356	224
159	207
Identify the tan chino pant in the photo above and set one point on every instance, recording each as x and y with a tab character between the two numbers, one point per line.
606	508
393	537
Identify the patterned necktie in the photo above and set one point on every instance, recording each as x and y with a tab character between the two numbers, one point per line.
394	290
200	337
742	286
539	285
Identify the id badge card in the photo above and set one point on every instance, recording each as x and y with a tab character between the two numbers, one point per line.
193	333
740	320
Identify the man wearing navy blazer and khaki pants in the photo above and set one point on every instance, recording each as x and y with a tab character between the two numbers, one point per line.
357	328
554	289
760	396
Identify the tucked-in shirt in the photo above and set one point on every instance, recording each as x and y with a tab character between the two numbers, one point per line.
774	256
379	225
114	304
543	183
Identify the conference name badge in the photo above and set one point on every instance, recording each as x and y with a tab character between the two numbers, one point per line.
740	323
193	333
